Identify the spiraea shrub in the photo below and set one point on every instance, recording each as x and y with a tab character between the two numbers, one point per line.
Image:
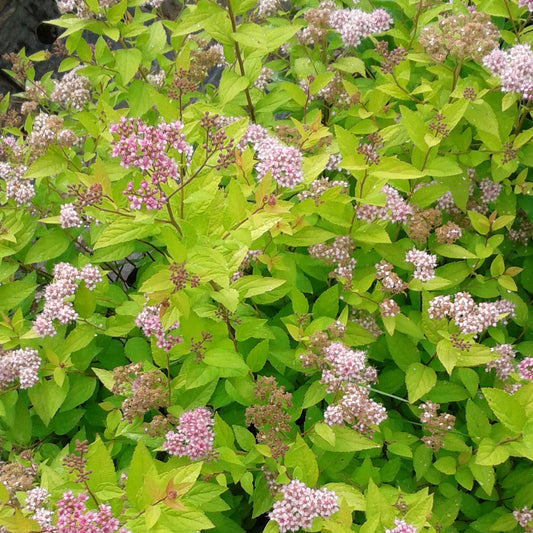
266	267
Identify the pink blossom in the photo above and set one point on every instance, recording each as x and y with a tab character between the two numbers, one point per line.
525	368
424	263
150	323
301	505
402	527
489	190
22	364
194	436
355	25
514	68
69	216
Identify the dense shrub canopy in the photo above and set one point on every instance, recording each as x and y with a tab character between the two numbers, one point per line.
265	267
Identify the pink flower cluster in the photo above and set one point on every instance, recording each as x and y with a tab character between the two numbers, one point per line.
514	68
301	505
348	374
17	188
35	499
424	263
22	364
395	209
504	364
64	286
468	316
284	162
338	253
73	516
150	323
69	216
355	25
146	148
194	436
525	368
526	3
401	526
489	190
523	516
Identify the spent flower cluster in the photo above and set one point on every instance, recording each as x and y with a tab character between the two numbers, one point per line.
436	425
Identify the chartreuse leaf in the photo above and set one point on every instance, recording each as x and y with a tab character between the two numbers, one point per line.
141	465
303	460
127	62
506	408
419	380
100	463
346	440
47	397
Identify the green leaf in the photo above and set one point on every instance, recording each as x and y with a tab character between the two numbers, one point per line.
249	286
346	440
100	463
415	127
300	456
51	163
419	380
447	354
509	412
123	230
490	453
51	245
47	397
314	394
127	62
480	222
141	466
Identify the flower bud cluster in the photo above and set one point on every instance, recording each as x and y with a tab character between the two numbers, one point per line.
194	436
22	364
301	505
284	162
424	263
390	59
355	25
56	306
270	417
436	425
338	253
395	209
514	67
401	526
217	140
150	323
468	316
72	90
